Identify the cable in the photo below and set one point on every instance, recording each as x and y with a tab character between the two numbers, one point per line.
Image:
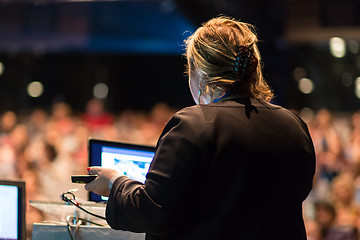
87	221
71	200
69	227
76	204
68	218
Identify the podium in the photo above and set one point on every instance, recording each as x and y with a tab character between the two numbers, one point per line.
60	232
60	228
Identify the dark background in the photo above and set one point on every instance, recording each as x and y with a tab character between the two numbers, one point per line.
136	47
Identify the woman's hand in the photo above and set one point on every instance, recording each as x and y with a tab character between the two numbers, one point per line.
100	185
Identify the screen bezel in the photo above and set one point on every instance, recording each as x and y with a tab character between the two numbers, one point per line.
94	148
21	205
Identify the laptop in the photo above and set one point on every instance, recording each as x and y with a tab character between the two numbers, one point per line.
129	159
12	210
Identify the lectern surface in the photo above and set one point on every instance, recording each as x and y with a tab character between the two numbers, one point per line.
60	210
43	231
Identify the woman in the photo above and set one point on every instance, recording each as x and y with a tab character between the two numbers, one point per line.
232	167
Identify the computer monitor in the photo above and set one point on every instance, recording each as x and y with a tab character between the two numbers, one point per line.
129	159
12	210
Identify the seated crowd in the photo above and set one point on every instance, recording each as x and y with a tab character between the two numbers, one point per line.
45	149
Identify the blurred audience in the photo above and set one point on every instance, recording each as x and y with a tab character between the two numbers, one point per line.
347	213
334	201
328	148
324	217
327	226
45	149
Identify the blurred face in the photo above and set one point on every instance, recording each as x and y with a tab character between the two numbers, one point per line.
324	217
324	117
343	194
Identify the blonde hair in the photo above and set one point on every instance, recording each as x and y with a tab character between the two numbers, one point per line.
212	51
343	181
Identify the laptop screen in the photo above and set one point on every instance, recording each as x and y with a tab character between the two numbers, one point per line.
131	160
12	210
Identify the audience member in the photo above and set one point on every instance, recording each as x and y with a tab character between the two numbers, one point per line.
343	200
353	144
8	122
96	117
328	148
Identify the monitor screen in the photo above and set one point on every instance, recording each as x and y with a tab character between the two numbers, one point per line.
12	210
128	159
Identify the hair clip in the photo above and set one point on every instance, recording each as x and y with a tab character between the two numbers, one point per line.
245	63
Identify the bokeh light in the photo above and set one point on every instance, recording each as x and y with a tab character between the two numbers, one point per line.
1	68
357	87
306	86
101	91
337	47
299	73
35	89
353	46
346	79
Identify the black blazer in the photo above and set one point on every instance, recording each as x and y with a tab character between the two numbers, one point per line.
238	169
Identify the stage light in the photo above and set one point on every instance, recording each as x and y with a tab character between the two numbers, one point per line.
357	87
306	86
299	73
101	91
35	89
1	68
353	46
337	47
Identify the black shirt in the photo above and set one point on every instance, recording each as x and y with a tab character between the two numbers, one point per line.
236	169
